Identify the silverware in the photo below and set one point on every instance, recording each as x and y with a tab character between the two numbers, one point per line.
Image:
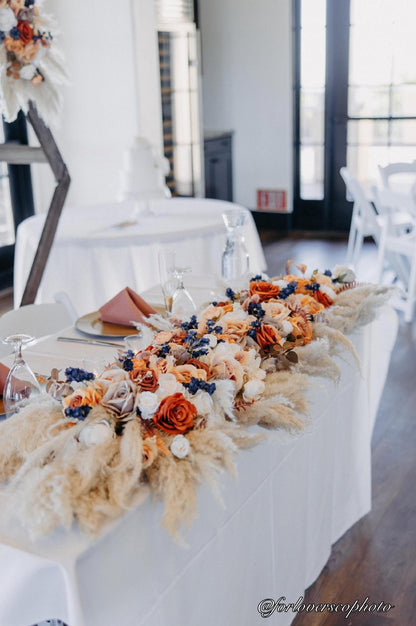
91	342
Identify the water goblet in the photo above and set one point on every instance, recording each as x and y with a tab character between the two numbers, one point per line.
183	305
21	383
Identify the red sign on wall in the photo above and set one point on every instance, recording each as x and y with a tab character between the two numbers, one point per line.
272	200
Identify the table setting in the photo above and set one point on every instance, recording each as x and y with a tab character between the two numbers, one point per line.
147	454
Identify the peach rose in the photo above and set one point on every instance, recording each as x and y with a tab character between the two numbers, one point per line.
199	365
302	330
175	415
81	397
264	290
310	305
267	337
163	337
276	310
236	329
228	369
13	45
184	373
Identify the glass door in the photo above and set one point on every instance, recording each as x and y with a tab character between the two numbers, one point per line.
355	100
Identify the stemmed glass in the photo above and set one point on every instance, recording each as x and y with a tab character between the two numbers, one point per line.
183	305
168	280
235	259
21	383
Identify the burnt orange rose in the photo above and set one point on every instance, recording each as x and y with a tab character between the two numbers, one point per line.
175	415
322	298
146	378
264	290
267	336
26	32
198	364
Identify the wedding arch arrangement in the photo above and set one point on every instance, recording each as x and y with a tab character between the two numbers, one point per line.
31	64
174	415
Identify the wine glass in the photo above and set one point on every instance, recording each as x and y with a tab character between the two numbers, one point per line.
235	259
183	305
168	280
21	383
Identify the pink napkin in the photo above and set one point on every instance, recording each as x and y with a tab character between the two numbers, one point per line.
126	307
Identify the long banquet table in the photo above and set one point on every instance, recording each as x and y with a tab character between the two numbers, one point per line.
93	257
294	497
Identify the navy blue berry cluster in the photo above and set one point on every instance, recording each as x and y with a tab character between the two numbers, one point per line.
196	346
164	350
255	308
254	327
79	412
313	287
195	384
256	278
212	328
230	294
288	290
78	375
193	323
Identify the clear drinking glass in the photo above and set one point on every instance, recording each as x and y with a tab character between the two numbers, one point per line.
168	279
183	305
21	383
235	258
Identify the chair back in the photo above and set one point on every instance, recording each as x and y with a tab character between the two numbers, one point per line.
388	202
362	209
404	175
36	320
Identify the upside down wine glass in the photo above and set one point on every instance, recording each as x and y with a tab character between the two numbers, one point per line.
183	305
21	383
235	259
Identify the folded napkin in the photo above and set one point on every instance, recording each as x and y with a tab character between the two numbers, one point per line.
126	307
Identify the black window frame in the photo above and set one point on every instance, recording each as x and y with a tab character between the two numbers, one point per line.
21	194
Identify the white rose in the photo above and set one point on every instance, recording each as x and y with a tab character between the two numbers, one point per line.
168	385
328	291
212	340
344	274
280	283
27	72
203	402
7	19
148	404
180	446
253	389
95	434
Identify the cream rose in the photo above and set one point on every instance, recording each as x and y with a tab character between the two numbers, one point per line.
253	389
203	402
344	274
148	404
168	385
276	310
180	446
95	434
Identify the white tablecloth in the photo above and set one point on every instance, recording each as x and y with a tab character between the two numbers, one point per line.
292	500
91	260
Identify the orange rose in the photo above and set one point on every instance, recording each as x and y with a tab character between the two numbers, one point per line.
26	32
264	289
199	365
12	45
322	298
175	415
311	305
267	336
302	330
146	378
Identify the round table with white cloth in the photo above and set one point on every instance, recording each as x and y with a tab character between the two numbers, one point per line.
100	250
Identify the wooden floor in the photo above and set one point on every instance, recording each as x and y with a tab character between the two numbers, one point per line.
377	557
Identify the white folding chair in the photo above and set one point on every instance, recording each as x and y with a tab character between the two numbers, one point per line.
398	176
365	221
398	247
36	320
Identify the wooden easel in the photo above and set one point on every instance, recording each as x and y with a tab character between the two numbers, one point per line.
48	152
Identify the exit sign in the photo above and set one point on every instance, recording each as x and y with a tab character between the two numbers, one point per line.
272	200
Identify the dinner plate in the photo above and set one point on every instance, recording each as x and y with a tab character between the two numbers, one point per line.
91	324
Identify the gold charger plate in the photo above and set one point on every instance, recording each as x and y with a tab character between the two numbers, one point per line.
91	324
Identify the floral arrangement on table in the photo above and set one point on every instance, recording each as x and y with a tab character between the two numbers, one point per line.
30	62
173	415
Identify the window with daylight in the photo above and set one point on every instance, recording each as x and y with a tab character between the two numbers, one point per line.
355	99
